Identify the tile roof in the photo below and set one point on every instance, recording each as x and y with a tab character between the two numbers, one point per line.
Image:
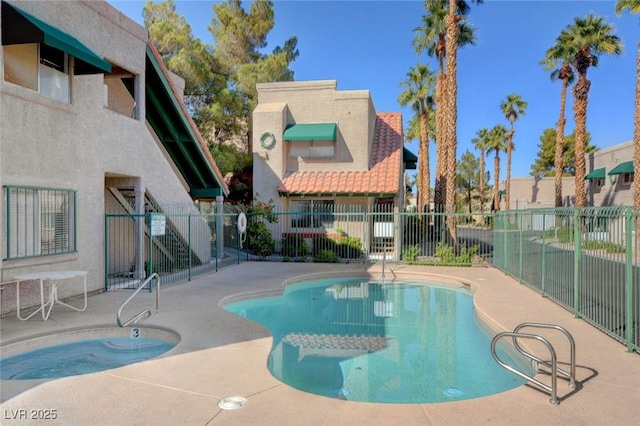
383	177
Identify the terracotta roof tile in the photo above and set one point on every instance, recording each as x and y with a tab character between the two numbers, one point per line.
383	175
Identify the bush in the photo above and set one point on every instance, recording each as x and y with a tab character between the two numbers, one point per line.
607	246
259	236
565	234
326	256
445	253
344	247
294	246
411	254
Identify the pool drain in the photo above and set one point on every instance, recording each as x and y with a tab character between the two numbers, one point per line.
452	392
232	402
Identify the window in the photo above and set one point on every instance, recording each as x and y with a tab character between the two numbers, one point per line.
599	183
312	149
627	178
40	221
312	213
39	67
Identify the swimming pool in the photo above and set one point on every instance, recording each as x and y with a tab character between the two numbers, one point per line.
83	351
361	340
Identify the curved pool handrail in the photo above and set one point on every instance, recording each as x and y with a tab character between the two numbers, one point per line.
146	312
572	349
554	378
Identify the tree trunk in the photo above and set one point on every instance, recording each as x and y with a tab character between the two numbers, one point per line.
439	194
558	160
508	182
481	185
496	179
424	190
451	118
581	94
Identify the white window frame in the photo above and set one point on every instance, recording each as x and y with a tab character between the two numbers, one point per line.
52	82
312	213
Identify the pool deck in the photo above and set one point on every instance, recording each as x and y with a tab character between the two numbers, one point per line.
222	355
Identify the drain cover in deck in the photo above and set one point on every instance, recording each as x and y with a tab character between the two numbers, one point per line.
232	402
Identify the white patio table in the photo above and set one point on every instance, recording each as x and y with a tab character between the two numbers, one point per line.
52	277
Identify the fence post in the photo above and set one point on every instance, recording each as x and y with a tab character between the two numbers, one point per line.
150	249
189	245
520	265
628	276
106	252
577	255
543	272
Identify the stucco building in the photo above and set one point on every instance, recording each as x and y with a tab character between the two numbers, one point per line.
92	123
320	149
608	182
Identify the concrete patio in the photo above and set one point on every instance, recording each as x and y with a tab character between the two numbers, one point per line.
223	355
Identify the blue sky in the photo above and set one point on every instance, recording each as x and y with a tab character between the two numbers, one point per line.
367	45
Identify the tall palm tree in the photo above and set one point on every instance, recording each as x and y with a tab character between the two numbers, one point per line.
633	6
512	107
418	90
482	144
558	61
431	37
450	114
589	37
497	142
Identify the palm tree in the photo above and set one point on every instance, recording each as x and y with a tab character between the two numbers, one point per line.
512	107
588	37
482	144
558	61
431	37
633	6
418	88
497	142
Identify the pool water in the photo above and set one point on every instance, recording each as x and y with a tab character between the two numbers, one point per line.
82	357
397	342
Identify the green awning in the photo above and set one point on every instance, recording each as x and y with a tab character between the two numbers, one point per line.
409	159
597	174
310	132
19	27
626	167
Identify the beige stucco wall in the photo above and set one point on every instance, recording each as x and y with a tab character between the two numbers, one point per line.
280	104
45	143
611	194
532	193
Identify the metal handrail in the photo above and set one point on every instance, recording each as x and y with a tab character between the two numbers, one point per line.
553	365
554	378
145	313
572	349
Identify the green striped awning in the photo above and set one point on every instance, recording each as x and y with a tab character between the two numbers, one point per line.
20	27
596	174
626	167
310	132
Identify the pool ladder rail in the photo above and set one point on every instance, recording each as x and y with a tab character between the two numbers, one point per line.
516	334
145	313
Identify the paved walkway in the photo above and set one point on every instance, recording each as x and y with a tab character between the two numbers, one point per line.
221	355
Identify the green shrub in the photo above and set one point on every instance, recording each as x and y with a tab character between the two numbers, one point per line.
259	236
326	256
445	252
294	246
344	247
607	246
411	254
565	234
